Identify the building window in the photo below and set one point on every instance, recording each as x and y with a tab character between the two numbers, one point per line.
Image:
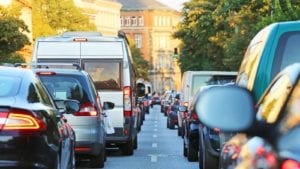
141	21
121	20
138	40
134	22
127	21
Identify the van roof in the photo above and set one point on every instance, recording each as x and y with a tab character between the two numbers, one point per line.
90	37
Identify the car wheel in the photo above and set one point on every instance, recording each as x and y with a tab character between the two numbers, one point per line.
97	161
135	142
171	125
192	152
184	149
127	148
168	122
179	131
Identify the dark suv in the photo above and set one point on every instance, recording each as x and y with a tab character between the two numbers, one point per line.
88	122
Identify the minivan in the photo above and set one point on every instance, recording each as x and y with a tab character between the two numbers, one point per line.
108	61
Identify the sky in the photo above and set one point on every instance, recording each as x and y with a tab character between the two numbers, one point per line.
176	4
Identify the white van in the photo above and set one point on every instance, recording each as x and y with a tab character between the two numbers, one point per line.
108	61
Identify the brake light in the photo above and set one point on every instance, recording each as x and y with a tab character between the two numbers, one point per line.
127	101
80	40
290	164
194	116
87	109
82	149
216	130
46	73
185	114
20	120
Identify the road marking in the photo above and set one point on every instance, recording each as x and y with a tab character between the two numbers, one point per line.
155	121
155	125
155	129
153	158
154	145
154	135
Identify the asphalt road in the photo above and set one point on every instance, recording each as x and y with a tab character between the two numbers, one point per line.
158	148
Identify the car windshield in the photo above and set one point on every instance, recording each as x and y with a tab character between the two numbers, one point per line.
8	86
66	87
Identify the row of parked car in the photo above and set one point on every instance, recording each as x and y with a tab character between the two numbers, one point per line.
254	121
79	98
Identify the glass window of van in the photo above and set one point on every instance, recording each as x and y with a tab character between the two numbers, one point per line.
105	74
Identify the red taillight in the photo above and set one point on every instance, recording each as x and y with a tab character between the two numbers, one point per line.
82	148
194	116
46	73
290	164
20	120
216	130
80	39
127	101
87	109
185	114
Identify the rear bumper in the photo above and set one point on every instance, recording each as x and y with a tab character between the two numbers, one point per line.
88	148
27	152
117	138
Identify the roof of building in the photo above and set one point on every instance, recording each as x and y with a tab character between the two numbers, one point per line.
143	5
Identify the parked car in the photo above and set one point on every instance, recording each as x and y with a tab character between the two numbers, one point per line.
267	132
108	61
172	117
193	82
88	122
33	131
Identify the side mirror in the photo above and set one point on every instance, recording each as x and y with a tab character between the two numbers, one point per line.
182	108
230	108
108	105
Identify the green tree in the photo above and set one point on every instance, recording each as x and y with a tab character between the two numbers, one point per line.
12	37
51	17
141	66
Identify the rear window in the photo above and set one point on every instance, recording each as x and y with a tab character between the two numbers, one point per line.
67	87
105	74
204	80
9	86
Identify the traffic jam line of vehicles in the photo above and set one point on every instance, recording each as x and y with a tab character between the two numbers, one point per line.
246	119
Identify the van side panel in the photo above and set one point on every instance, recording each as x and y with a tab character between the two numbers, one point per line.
63	50
100	49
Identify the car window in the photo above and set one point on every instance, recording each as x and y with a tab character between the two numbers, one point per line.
251	59
105	74
273	100
287	51
44	95
32	96
9	86
66	87
292	112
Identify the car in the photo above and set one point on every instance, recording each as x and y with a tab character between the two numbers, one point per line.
267	132
33	130
88	122
193	82
108	61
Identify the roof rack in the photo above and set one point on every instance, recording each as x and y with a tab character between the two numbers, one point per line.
46	65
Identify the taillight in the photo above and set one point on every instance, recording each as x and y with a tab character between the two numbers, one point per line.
87	109
45	73
194	116
290	164
127	101
185	114
20	120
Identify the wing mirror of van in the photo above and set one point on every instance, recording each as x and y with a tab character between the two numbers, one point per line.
230	108
108	105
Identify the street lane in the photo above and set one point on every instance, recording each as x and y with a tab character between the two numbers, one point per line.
158	148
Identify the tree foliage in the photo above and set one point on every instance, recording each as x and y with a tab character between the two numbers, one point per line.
216	33
51	17
140	65
12	37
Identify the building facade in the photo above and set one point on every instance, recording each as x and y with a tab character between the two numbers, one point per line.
151	25
104	14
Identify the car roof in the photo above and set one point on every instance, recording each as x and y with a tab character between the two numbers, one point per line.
13	71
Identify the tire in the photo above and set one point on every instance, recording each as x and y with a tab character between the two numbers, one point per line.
172	125
184	149
179	131
97	161
168	122
135	142
192	153
127	148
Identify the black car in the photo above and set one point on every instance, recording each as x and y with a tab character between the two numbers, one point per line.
88	122
33	131
268	132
